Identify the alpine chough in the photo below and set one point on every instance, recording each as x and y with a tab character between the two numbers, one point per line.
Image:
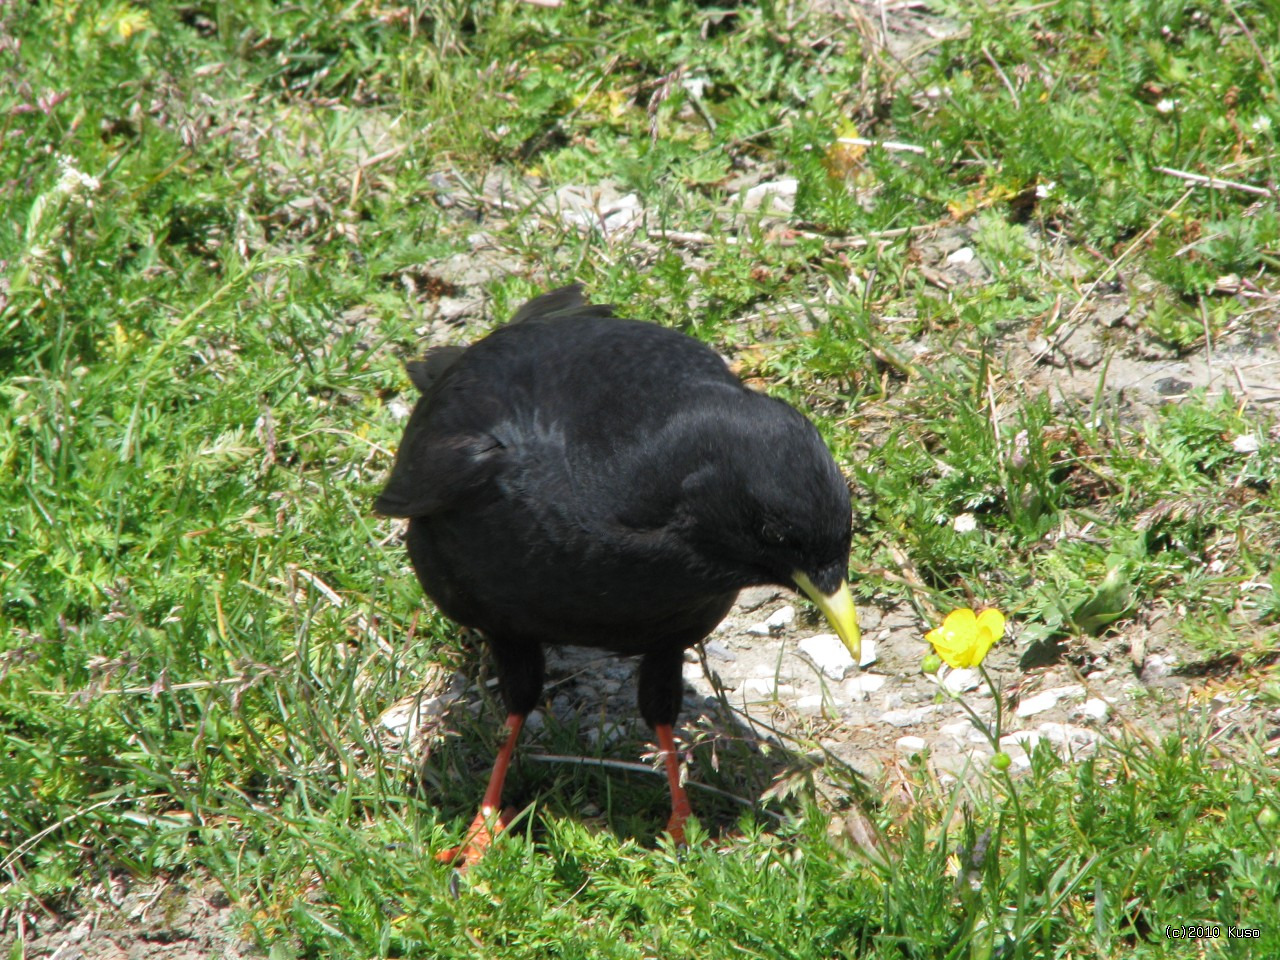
578	478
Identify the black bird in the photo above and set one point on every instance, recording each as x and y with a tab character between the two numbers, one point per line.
578	478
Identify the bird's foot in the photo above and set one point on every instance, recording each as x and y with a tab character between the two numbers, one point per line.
679	838
675	829
479	837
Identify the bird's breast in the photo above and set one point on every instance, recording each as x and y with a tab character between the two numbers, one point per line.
559	579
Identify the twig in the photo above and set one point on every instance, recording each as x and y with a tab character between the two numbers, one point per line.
661	92
21	849
1004	78
362	622
1064	331
1257	52
699	106
385	155
882	144
563	122
1208	337
1186	248
1216	183
152	689
1244	387
696	238
644	768
995	418
1023	11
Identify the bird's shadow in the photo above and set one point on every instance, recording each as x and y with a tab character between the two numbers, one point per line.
587	755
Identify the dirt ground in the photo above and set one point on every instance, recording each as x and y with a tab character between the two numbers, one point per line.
186	918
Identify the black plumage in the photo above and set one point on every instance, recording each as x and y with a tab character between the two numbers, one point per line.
577	478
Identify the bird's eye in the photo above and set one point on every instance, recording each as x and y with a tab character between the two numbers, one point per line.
772	535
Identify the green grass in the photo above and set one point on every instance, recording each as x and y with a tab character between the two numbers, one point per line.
201	620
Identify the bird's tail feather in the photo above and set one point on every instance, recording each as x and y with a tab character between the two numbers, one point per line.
561	302
431	368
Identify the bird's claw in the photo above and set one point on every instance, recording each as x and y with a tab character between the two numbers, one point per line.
675	830
479	837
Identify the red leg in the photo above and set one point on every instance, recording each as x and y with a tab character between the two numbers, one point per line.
680	810
490	821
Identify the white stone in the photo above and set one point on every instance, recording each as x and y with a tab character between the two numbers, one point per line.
767	687
775	623
963	255
597	208
863	685
892	701
1095	708
911	744
1068	691
1068	734
1158	666
717	650
1037	704
910	716
781	618
812	704
778	196
1047	699
829	654
1021	739
867	653
1245	443
963	730
606	736
404	717
961	679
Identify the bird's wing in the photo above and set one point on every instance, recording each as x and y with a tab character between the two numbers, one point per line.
447	455
453	448
437	469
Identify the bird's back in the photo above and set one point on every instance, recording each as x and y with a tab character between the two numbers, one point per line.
564	385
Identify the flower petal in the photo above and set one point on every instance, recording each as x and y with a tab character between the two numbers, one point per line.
988	630
956	641
981	647
993	620
961	621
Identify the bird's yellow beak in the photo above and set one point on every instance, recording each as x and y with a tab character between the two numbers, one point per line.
838	608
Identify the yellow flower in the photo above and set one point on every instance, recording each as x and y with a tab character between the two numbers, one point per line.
965	637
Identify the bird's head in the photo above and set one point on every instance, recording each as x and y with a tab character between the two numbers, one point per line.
772	506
